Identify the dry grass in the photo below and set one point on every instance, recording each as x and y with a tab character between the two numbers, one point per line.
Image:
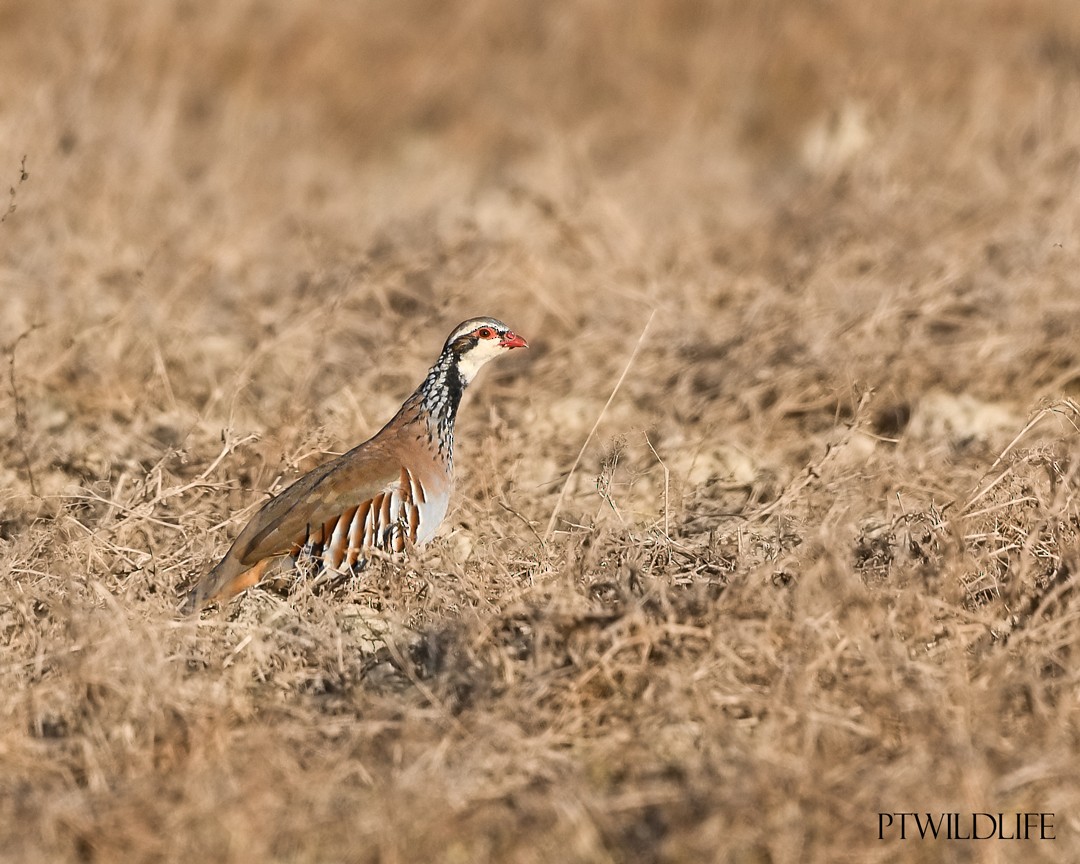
815	563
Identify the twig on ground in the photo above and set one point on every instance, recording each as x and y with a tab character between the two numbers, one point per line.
528	524
23	177
1056	408
813	471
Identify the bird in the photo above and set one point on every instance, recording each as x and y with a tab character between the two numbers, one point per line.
387	493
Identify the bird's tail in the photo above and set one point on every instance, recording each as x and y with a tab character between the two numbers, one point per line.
228	578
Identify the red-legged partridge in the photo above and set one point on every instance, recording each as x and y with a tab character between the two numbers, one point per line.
389	491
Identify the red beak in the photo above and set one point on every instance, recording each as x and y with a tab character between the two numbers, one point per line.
512	340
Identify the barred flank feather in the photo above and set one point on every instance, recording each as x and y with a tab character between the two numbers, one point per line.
389	521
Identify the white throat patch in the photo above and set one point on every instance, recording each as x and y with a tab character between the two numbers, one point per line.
470	362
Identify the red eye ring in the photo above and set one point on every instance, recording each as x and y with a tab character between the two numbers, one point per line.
485	333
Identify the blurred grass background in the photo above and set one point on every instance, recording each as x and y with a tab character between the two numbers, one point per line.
791	605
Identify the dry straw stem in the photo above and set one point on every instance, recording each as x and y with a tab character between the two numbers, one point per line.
1065	407
667	487
596	425
21	423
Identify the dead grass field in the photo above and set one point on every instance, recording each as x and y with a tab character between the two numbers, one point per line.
818	562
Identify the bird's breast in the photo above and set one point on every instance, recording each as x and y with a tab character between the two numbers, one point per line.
424	500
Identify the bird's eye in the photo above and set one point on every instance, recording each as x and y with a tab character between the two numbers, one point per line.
485	332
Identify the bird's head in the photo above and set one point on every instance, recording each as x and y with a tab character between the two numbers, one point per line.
474	342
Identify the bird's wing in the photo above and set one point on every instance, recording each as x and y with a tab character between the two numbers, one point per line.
320	495
286	519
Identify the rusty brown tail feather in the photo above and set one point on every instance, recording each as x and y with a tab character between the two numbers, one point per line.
230	584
